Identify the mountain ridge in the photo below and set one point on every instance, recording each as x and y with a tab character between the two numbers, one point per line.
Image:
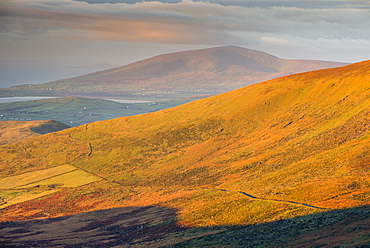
181	74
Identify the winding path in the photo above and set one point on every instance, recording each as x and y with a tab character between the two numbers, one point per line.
275	200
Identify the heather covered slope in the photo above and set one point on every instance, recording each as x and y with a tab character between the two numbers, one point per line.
283	148
181	74
12	131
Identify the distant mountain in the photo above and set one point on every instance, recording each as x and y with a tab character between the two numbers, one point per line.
12	131
292	153
181	74
97	66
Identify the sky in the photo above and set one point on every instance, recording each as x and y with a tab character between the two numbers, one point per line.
43	40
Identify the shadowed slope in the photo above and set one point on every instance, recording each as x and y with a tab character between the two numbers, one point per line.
205	71
292	143
155	226
12	131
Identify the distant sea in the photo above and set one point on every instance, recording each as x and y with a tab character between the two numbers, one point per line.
22	98
127	101
11	74
33	98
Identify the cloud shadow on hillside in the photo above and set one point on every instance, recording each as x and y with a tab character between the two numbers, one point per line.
155	226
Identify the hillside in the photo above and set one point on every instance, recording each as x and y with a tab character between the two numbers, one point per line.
12	131
293	148
175	75
75	111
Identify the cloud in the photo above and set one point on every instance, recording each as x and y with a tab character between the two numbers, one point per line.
343	49
260	3
288	29
188	22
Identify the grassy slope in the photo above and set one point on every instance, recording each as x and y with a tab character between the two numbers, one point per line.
77	111
298	139
12	131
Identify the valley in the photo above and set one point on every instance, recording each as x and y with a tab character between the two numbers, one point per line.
153	84
74	111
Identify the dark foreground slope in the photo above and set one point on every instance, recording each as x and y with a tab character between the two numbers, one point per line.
288	147
154	226
182	74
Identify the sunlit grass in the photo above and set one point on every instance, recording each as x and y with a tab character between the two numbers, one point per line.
26	179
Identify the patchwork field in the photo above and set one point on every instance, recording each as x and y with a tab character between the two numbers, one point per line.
32	185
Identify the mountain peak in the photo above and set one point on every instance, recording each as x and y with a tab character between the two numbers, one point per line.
212	54
97	66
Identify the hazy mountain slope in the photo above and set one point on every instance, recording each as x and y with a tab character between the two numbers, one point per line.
75	111
286	147
181	74
12	131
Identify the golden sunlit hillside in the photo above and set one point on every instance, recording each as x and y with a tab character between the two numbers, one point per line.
293	146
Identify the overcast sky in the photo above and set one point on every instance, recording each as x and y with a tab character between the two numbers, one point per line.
64	33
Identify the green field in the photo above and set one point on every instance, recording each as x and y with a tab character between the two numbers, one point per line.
77	111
